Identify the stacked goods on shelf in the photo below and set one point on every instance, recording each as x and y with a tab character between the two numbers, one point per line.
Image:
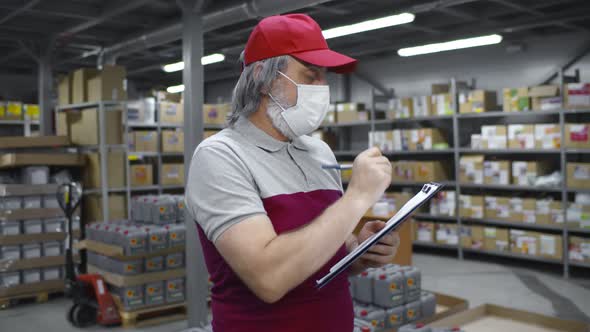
446	234
477	101
32	225
579	249
408	140
400	108
419	171
142	261
475	169
173	140
471	169
141	111
16	110
519	136
443	204
424	231
91	85
347	113
577	135
578	212
545	98
216	114
389	297
471	206
390	203
578	175
82	126
516	100
576	95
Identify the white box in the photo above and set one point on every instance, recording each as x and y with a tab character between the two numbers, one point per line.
33	226
35	175
31	276
32	202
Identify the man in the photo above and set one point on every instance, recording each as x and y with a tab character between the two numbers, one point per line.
271	220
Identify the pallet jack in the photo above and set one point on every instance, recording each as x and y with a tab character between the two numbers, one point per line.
93	304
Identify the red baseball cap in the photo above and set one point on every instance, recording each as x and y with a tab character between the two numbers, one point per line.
299	36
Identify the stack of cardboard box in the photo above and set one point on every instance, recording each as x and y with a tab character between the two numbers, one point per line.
516	100
172	113
577	135
402	108
520	136
15	110
578	212
579	249
536	244
350	112
409	140
471	169
472	237
443	204
92	85
578	175
471	206
477	101
547	136
577	95
496	172
446	234
421	171
545	98
216	114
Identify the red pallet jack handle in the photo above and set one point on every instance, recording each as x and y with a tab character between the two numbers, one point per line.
107	313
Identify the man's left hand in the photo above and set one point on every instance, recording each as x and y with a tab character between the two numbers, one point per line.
381	253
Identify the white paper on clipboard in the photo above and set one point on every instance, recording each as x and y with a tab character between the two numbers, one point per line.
426	193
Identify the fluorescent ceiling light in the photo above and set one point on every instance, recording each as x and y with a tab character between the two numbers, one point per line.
206	60
451	45
369	25
175	88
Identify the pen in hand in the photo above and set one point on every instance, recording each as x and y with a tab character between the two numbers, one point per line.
337	166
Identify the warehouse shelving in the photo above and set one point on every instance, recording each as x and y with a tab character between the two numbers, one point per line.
27	125
579	230
510	224
427	216
145	188
509	187
433	245
498	253
460	123
508	151
103	148
580	264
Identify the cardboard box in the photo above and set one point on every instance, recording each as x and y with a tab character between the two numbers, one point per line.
578	175
11	142
141	175
549	211
471	206
115	170
427	171
516	100
489	317
551	246
471	169
172	174
170	112
425	232
523	210
92	208
145	140
477	101
62	126
443	204
577	95
84	128
422	106
494	137
521	136
524	242
402	171
578	216
577	135
80	80
525	173
347	116
496	172
447	234
108	84
427	139
10	160
402	108
165	96
350	107
497	208
496	239
547	136
442	104
472	237
142	111
579	249
545	97
216	113
64	90
172	140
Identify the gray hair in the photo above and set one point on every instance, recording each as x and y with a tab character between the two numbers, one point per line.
250	87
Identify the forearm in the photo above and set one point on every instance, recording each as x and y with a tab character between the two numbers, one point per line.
294	256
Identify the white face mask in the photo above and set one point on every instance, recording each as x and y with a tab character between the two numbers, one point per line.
309	111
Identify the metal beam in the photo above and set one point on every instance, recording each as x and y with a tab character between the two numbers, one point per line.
580	53
536	13
45	85
117	8
18	11
192	51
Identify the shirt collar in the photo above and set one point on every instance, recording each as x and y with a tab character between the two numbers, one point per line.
262	139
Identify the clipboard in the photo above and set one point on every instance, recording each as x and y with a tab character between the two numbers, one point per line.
426	193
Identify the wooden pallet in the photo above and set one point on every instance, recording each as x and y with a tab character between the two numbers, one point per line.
38	297
150	316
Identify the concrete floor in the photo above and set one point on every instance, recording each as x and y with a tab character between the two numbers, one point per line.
478	282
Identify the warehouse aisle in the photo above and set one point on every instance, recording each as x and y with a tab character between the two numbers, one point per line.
479	282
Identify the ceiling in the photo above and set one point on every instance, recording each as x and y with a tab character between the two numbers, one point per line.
78	26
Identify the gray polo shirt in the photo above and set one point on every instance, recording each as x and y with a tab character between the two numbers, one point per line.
235	172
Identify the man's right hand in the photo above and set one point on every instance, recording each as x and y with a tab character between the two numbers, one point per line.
371	176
